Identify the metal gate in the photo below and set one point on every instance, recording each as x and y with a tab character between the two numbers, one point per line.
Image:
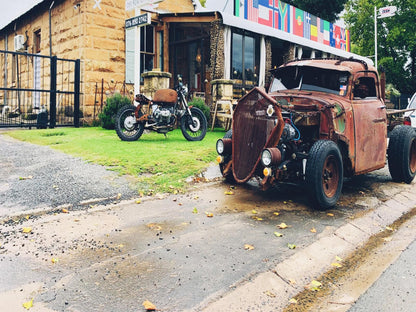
38	91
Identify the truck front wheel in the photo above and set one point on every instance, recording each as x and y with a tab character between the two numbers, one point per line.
401	154
324	174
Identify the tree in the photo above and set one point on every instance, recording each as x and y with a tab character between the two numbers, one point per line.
327	10
396	38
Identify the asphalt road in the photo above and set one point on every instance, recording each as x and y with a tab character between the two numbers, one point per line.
181	252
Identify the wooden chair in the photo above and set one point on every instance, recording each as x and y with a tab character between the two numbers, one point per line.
223	109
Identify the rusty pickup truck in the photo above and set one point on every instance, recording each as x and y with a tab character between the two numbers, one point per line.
320	121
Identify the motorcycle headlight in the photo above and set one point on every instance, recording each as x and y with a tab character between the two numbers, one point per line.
266	158
224	146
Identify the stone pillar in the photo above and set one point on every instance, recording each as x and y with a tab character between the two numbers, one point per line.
155	80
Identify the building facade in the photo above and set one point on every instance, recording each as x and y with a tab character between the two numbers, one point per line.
238	43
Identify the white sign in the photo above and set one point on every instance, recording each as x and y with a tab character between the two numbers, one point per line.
133	4
387	11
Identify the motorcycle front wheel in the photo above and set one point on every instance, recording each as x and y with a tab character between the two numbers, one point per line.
127	128
194	127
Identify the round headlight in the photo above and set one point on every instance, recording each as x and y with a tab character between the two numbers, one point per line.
220	146
266	157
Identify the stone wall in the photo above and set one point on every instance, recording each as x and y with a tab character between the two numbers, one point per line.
217	49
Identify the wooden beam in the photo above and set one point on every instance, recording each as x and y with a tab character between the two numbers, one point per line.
188	19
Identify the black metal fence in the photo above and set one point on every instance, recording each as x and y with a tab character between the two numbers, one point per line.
38	90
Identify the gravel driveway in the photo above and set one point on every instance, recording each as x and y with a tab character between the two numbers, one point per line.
40	178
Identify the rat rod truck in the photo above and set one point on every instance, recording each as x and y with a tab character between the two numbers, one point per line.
321	120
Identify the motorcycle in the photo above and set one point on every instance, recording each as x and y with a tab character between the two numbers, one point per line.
161	114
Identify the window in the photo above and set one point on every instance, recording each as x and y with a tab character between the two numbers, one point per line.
36	41
365	87
147	53
245	59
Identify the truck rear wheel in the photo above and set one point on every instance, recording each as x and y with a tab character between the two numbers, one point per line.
401	154
324	174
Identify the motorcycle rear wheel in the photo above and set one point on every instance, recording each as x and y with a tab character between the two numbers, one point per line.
127	128
194	127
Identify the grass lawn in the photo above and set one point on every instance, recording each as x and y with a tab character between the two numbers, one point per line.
157	163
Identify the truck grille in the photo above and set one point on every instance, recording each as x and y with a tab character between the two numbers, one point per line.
251	130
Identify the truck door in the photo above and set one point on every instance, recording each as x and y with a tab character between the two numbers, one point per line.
370	123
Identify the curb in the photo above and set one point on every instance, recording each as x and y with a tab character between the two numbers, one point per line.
272	290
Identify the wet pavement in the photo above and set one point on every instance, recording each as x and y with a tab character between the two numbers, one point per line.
181	252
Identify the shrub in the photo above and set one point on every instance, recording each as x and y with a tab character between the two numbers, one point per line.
198	102
114	103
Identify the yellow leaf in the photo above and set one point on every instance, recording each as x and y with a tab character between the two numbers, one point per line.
248	247
313	230
65	210
229	193
138	201
292	281
118	196
389	228
285	202
195	210
175	192
338	258
54	260
254	211
27	217
330	214
388	239
209	214
293	300
28	305
291	246
277	234
282	225
196	197
149	306
336	264
276	213
269	294
27	230
257	218
314	285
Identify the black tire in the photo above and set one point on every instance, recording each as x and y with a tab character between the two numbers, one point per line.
401	154
194	129
127	128
324	174
229	177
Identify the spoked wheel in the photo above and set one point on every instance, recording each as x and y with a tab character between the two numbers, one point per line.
402	154
324	174
127	128
194	127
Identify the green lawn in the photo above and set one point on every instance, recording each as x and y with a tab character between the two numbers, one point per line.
157	163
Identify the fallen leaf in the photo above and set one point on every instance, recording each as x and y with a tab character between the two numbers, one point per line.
389	228
330	214
338	258
276	213
149	306
285	202
27	217
291	246
254	211
118	196
209	214
65	210
25	178
154	226
282	225
257	218
28	305
195	210
27	230
138	201
313	230
388	239
77	220
292	281
54	260
336	264
277	234
248	247
270	294
293	300
196	197
141	194
315	285
229	193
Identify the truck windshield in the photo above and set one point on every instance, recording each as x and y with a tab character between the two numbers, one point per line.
310	79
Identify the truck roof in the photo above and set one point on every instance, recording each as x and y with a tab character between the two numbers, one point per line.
349	65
